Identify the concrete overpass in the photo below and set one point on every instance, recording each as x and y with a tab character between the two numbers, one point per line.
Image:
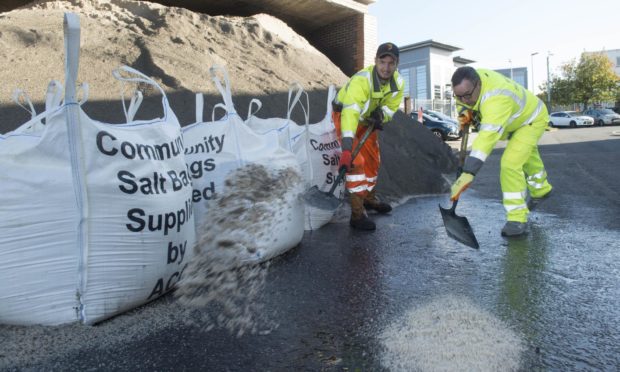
341	29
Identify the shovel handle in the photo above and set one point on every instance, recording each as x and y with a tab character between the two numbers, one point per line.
463	149
341	174
343	170
454	203
357	149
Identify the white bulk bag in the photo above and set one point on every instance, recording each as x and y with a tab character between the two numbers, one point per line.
316	148
141	232
53	99
39	253
96	218
323	149
283	131
214	149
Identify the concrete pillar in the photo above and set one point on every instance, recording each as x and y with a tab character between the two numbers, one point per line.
370	38
350	44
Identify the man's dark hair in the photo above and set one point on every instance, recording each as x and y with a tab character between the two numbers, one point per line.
465	72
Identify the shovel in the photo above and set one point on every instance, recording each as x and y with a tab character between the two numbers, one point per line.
457	227
327	201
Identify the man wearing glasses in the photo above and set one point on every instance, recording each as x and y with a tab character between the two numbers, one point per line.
506	110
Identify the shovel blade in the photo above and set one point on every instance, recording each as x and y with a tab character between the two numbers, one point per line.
458	228
321	199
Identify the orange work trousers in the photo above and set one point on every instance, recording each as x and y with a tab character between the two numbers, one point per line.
362	177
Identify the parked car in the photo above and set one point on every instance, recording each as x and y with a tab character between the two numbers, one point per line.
440	115
569	119
603	116
443	129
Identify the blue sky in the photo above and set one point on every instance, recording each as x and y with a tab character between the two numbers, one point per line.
494	32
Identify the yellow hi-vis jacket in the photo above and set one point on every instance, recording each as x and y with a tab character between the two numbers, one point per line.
503	107
363	94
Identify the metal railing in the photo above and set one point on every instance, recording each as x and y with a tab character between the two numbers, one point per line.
573	107
446	106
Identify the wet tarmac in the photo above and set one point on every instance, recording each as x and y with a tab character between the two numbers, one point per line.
557	288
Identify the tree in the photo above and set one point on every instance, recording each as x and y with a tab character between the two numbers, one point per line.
591	80
595	79
562	86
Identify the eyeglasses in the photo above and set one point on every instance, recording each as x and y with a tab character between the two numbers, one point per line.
466	95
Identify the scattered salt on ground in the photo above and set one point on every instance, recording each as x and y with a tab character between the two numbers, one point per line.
450	334
219	283
21	346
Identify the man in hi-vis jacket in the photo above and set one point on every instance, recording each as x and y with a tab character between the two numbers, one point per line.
505	110
372	95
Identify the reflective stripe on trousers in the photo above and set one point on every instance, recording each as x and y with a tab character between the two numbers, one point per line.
520	160
362	177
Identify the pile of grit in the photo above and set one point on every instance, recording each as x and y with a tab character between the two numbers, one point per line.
176	47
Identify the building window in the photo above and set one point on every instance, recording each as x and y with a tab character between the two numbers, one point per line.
437	92
447	92
520	78
421	82
405	75
617	61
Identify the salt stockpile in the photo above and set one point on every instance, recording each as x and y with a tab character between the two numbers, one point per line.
172	45
175	47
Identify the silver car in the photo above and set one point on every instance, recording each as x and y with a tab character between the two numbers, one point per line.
603	116
569	119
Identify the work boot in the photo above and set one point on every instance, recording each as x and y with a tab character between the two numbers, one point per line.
359	219
372	203
533	203
514	228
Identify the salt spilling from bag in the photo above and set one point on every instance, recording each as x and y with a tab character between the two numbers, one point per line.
316	147
244	223
215	149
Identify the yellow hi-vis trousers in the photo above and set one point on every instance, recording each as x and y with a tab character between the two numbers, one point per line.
522	170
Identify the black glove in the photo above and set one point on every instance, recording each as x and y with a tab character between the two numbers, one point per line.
346	144
376	119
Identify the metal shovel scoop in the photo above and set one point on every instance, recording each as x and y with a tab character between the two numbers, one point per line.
314	197
457	227
324	200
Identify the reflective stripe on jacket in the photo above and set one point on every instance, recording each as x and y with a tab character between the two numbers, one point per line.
504	106
363	94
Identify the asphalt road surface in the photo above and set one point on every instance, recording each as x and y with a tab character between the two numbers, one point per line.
333	296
